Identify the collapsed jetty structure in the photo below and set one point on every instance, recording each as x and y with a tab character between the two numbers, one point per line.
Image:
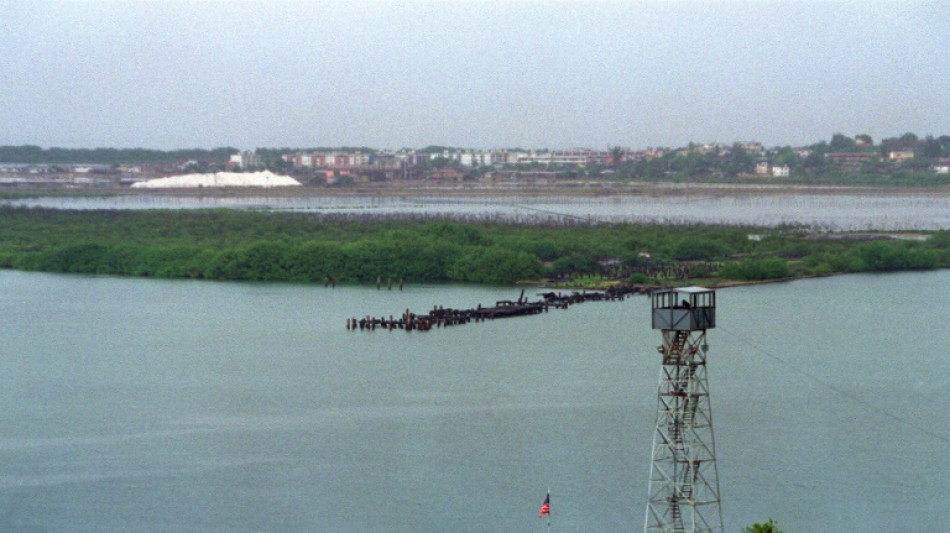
440	316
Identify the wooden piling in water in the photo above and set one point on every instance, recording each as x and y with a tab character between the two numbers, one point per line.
440	317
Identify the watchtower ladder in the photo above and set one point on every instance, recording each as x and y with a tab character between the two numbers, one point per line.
683	495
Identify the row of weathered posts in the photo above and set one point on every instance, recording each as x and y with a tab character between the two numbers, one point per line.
441	317
330	281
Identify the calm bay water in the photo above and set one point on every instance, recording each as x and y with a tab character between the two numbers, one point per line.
154	406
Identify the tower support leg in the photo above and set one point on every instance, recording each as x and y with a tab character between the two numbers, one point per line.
684	481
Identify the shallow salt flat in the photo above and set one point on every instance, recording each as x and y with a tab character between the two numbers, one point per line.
826	211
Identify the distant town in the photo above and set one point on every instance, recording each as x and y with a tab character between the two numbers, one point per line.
904	160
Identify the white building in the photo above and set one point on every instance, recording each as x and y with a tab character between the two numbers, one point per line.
246	160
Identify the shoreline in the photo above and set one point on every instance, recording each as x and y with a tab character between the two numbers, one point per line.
581	189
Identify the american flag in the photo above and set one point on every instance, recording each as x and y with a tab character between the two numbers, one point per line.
546	506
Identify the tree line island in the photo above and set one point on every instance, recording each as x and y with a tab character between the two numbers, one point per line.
905	160
222	244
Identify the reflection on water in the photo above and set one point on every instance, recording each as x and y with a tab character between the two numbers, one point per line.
823	210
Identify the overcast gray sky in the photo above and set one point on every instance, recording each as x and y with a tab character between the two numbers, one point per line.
480	74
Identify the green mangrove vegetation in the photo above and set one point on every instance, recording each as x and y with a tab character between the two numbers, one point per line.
245	245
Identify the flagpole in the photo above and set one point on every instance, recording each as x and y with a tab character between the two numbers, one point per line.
546	509
549	512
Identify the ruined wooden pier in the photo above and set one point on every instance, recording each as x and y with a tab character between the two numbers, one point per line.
440	317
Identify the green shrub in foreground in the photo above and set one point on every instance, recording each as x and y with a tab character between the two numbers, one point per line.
766	527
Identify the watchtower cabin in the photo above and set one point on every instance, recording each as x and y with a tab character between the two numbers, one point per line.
684	480
684	309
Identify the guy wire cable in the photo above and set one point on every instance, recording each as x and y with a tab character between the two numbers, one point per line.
867	405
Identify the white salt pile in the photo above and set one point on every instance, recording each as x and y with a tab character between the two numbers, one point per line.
219	179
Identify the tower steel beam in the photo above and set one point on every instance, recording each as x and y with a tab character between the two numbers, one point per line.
683	494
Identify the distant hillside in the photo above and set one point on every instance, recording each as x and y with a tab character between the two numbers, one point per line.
30	154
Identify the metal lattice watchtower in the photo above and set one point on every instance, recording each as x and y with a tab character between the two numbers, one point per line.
684	481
